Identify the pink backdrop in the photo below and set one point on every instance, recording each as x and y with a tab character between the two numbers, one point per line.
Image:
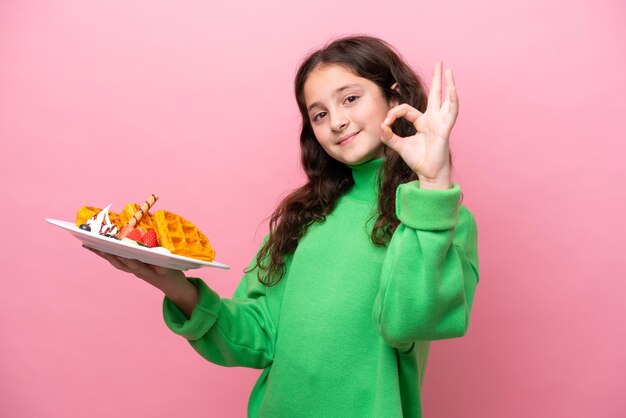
110	101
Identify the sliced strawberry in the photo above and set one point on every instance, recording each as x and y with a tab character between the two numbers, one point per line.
131	232
122	234
135	234
150	239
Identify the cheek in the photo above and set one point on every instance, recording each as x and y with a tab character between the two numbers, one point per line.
320	134
383	110
374	113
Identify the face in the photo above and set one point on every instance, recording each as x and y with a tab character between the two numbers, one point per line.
345	111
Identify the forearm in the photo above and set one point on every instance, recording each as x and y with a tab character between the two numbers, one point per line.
424	288
176	288
183	294
228	332
431	268
442	183
435	186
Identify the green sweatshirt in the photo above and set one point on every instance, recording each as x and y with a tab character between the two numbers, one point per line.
346	332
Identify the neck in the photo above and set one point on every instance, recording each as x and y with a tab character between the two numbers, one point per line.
365	177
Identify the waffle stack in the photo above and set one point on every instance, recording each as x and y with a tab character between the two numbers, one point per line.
173	232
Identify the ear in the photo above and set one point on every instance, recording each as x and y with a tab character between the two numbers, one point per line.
394	102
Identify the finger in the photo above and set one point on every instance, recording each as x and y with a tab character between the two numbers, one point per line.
90	249
113	260
137	267
118	263
390	139
405	111
451	95
434	96
161	271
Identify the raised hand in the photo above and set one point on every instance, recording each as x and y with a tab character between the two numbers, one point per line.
428	151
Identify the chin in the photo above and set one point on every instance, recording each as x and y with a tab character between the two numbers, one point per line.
360	158
355	155
355	160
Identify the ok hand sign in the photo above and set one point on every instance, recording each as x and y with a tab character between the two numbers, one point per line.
427	152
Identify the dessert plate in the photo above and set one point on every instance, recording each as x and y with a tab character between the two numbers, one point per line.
155	256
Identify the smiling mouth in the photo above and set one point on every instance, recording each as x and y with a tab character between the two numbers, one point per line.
346	139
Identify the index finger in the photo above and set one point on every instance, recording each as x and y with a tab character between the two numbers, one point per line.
405	111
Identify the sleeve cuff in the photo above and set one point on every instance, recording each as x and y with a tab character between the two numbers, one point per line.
427	209
202	318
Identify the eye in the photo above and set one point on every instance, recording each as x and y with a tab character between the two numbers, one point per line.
351	99
318	116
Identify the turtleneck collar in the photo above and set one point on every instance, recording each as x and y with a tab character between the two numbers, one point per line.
365	177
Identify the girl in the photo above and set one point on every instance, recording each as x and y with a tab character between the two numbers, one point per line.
364	265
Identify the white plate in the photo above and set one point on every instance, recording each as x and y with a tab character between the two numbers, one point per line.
134	251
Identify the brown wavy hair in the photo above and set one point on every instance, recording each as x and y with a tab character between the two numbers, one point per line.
328	179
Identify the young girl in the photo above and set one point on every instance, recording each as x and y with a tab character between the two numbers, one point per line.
364	265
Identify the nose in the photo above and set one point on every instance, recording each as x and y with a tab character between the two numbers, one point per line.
338	120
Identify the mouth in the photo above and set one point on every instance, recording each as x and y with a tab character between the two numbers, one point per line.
344	140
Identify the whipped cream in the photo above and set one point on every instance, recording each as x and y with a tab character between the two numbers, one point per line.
101	224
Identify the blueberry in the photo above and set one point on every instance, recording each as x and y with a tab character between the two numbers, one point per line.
85	227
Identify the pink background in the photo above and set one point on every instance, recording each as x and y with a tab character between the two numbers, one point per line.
110	101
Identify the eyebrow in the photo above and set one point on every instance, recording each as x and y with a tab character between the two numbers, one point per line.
335	93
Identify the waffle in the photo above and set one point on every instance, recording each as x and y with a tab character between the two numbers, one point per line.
181	237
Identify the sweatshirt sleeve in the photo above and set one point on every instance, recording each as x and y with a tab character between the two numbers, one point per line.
230	332
430	271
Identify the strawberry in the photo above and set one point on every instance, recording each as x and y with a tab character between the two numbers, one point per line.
122	234
131	232
134	234
150	239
